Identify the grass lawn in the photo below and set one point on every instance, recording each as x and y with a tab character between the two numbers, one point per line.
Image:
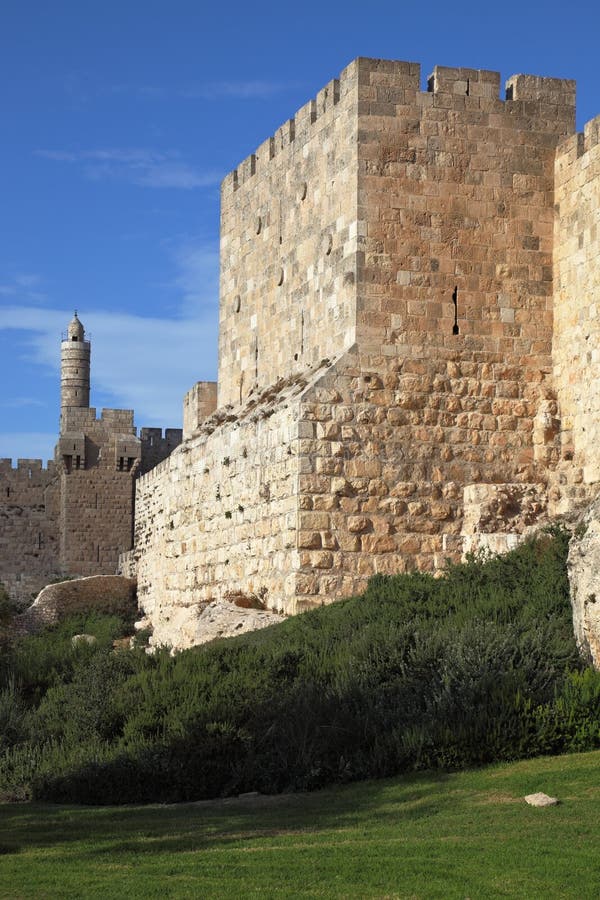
468	835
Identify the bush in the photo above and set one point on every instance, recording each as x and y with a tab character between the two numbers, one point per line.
7	608
37	662
418	672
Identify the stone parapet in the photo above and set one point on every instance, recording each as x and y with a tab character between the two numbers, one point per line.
199	403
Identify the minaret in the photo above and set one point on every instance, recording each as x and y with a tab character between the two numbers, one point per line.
74	368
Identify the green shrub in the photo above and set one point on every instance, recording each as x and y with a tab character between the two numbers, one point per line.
37	662
418	672
7	608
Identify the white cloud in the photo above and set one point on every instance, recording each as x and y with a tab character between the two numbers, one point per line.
197	278
27	280
144	91
20	402
236	90
22	286
252	89
146	168
140	363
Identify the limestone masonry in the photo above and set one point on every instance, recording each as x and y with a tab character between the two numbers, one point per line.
409	355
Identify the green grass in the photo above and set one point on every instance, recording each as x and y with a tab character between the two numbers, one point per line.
428	835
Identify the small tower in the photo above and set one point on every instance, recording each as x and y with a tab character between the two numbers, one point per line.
74	368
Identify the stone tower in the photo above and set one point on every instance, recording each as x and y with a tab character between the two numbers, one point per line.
408	344
75	517
74	369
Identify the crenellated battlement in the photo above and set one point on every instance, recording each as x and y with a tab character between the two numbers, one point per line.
156	445
576	146
154	434
27	467
531	95
464	82
295	131
79	418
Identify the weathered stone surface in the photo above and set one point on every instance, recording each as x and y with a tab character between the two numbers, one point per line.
584	580
104	593
185	627
540	799
88	639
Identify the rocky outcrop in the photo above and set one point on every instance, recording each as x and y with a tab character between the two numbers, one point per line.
540	799
200	623
584	578
100	593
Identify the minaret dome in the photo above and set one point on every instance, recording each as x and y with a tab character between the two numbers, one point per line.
75	331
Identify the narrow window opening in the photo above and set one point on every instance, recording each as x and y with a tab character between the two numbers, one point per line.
256	360
8	492
431	84
39	540
468	87
78	463
73	338
455	301
98	553
121	463
130	461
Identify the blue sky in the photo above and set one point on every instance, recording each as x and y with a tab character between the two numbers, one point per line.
119	121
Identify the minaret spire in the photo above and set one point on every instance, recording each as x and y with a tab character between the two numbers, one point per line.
74	368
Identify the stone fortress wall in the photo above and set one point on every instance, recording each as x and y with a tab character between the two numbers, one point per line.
29	516
357	430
